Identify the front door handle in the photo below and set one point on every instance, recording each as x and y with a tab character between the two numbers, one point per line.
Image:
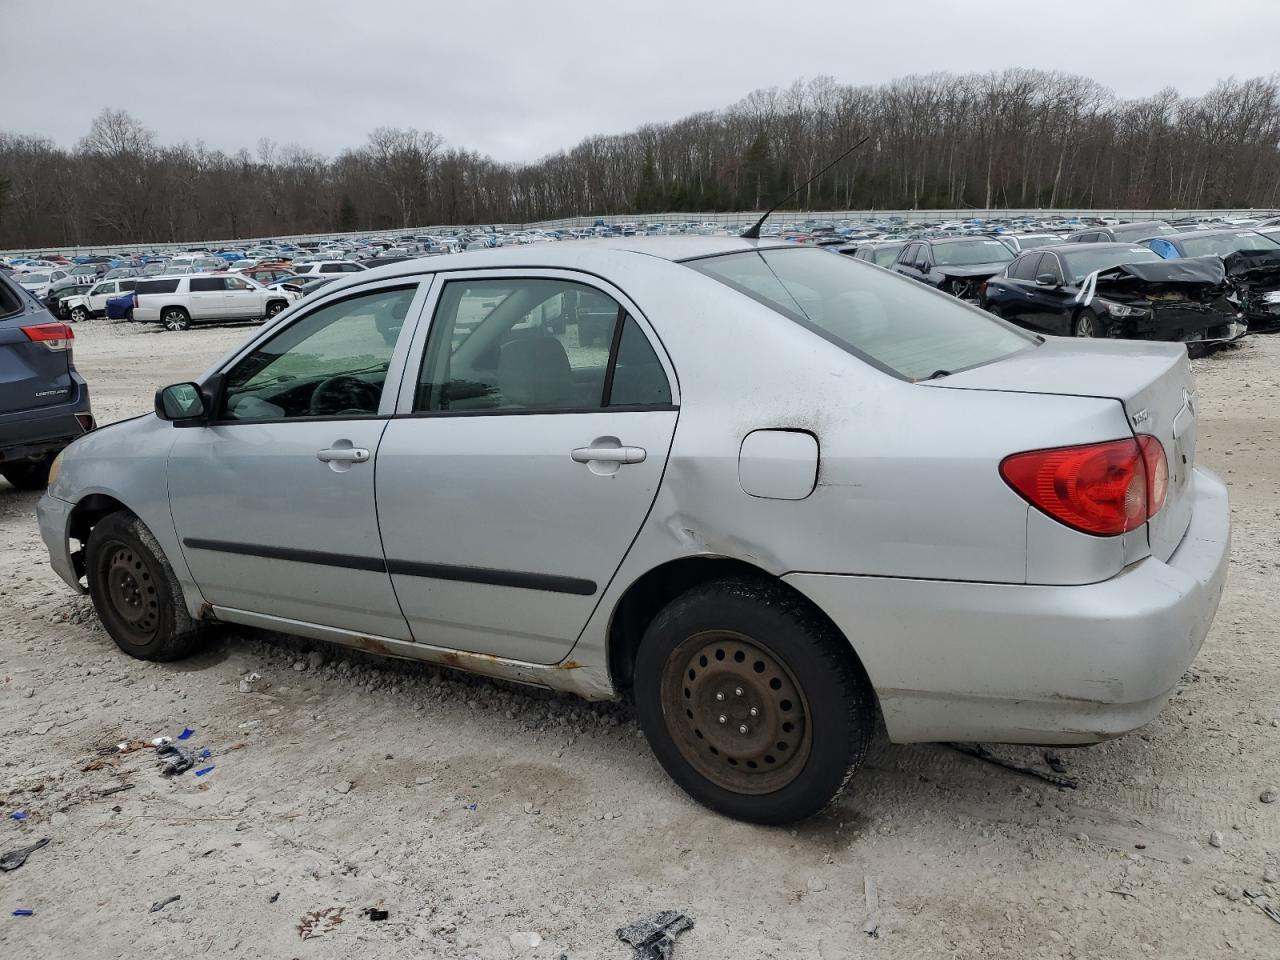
342	455
609	454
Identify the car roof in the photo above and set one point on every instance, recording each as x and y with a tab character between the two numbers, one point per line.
1216	232
1078	247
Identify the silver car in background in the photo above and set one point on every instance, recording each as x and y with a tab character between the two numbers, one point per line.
767	492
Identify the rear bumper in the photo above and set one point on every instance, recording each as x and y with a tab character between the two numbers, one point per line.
54	516
44	430
1035	664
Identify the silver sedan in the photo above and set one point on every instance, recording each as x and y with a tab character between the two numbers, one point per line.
771	494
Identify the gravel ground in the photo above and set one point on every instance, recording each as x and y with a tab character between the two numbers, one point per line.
473	811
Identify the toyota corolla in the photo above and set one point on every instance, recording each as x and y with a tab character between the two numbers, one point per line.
771	494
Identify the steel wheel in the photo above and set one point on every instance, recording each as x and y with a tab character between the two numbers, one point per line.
736	713
131	593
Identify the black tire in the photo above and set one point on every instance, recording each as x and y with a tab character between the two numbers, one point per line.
274	307
28	474
175	319
79	314
136	593
815	709
1087	324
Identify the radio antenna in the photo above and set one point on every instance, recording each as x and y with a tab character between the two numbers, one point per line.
753	232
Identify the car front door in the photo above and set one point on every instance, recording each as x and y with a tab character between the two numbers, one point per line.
100	294
244	299
274	500
527	453
1051	305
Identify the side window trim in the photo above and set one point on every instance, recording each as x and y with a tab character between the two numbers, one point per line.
415	354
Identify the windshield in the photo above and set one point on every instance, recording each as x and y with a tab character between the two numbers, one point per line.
31	278
1080	265
892	322
967	253
1226	243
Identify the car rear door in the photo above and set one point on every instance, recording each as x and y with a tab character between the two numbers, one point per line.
522	462
244	299
208	299
274	500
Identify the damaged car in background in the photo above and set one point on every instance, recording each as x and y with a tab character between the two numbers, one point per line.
955	265
1118	290
1252	262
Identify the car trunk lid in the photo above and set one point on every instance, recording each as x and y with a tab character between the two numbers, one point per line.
1152	381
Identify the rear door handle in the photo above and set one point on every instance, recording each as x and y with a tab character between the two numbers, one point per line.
342	455
609	454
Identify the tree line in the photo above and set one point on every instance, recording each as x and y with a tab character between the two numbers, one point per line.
1020	138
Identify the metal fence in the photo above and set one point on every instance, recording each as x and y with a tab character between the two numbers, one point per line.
728	220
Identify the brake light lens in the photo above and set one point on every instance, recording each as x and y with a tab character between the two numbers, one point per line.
1104	489
55	336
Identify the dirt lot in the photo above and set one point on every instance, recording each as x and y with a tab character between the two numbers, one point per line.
473	811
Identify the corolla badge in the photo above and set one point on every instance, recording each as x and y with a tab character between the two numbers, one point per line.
1140	417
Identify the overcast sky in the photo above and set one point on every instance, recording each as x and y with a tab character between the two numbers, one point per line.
518	79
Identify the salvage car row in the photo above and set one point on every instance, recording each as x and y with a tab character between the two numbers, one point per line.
1144	280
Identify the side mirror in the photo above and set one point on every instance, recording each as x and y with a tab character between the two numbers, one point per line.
183	404
1046	280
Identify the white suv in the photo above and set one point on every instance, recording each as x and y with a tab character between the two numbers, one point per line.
178	302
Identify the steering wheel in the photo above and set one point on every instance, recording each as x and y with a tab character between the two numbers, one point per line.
343	395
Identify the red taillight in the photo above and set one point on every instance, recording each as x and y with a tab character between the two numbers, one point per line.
1100	488
55	336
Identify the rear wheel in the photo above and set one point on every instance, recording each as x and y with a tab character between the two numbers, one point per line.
752	702
136	592
28	474
175	319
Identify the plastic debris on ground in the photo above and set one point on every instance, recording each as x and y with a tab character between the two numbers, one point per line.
174	759
201	773
18	815
161	904
186	733
24	913
16	858
374	913
654	938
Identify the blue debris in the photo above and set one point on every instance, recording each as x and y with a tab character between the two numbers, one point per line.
472	806
18	815
24	913
186	733
201	773
205	754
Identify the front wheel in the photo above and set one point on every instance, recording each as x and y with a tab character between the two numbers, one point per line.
1086	325
79	314
176	319
274	307
752	701
135	591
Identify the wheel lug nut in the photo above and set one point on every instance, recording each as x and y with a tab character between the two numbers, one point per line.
737	691
743	728
719	696
755	712
723	718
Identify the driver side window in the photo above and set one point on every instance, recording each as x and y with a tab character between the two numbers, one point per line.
331	363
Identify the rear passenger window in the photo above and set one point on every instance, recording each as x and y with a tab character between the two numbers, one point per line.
535	344
207	284
157	286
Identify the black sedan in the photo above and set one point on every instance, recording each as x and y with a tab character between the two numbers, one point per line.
956	265
1116	290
